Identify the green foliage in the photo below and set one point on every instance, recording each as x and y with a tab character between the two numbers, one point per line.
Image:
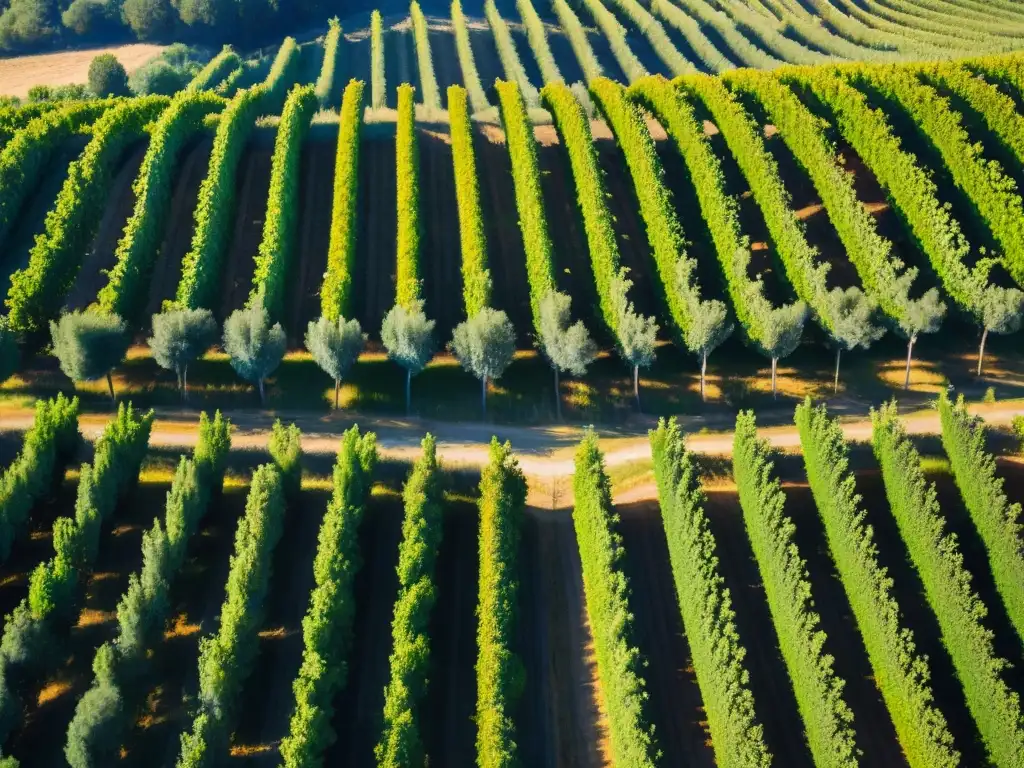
14	116
282	76
746	52
37	292
902	674
769	36
255	347
179	337
637	335
327	626
227	657
285	448
400	743
499	672
107	76
157	78
537	36
566	345
476	279
378	85
407	167
216	71
325	88
421	37
706	605
467	63
9	355
335	346
46	447
407	335
275	257
1017	427
974	469
577	35
936	556
122	668
606	588
615	33
484	345
690	28
88	345
511	64
651	28
522	150
128	282
827	718
335	293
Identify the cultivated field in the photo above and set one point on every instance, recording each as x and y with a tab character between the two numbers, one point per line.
20	73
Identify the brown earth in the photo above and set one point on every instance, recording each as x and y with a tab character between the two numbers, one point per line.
316	195
18	74
373	284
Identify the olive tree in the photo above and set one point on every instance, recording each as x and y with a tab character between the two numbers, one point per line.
854	327
709	325
566	345
179	337
335	346
89	345
254	346
408	337
1000	312
923	315
484	345
783	327
637	335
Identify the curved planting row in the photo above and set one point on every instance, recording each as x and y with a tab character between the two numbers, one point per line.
775	331
335	293
706	605
281	77
328	72
407	166
809	29
40	623
827	718
128	281
498	670
378	84
476	278
989	188
274	260
744	50
216	70
658	37
29	151
712	58
615	33
47	446
327	626
38	291
401	743
607	593
522	150
421	37
13	119
122	667
227	657
537	36
901	673
974	469
467	62
574	30
769	35
510	61
947	585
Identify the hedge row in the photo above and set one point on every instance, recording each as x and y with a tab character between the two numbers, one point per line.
327	626
48	445
537	36
275	256
332	48
827	718
467	62
615	33
770	37
522	150
283	73
706	605
13	119
657	36
421	38
511	64
690	28
499	672
214	214
990	189
38	291
227	658
35	629
476	279
974	469
746	52
936	556
335	293
606	589
128	282
407	166
591	194
401	743
901	672
107	710
28	153
216	70
378	84
574	30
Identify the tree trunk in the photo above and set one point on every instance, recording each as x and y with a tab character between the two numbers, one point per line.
337	387
775	367
408	392
835	384
558	396
110	385
636	387
703	371
981	350
263	396
483	395
910	351
184	384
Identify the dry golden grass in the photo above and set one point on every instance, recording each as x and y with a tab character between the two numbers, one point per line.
52	691
19	74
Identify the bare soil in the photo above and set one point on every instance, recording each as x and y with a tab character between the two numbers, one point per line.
18	74
373	284
316	195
